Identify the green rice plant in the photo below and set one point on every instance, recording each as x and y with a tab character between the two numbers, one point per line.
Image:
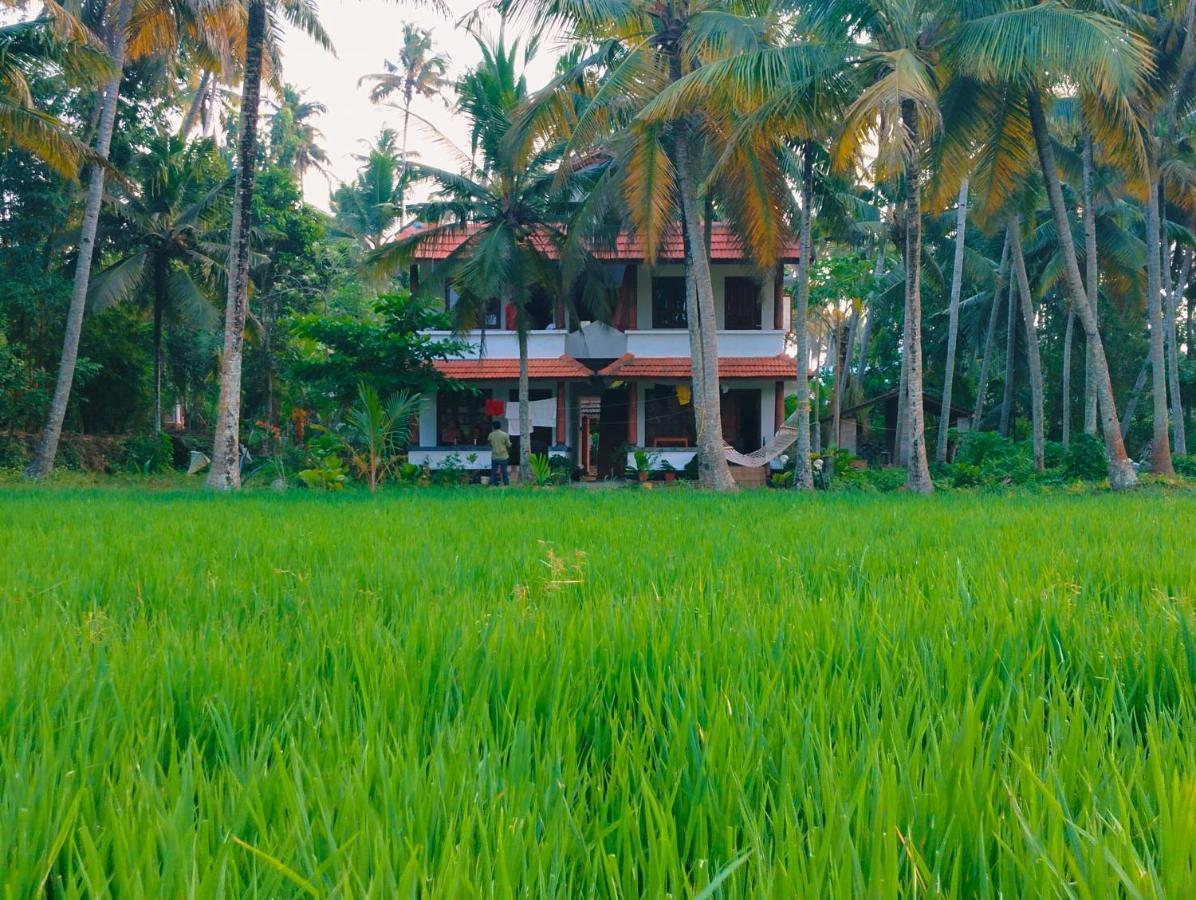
615	694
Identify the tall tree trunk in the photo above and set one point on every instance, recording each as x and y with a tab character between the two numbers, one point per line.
1007	398
1172	293
853	334
993	318
197	101
1032	355
837	364
226	450
816	425
1135	394
159	306
803	473
1121	472
42	462
403	165
1092	284
918	470
1160	446
901	436
525	408
712	464
866	332
961	227
1068	337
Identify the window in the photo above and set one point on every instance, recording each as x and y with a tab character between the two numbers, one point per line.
461	419
741	301
668	302
667	421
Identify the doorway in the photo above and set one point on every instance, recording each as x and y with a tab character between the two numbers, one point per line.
612	429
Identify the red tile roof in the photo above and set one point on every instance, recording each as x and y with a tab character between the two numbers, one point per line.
724	246
629	366
563	368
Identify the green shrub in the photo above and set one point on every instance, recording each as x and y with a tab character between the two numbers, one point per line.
148	454
1185	465
14	453
329	475
1085	459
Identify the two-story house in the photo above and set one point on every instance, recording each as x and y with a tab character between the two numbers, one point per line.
598	390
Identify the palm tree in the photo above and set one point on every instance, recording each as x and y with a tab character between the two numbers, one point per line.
293	137
214	28
961	227
44	44
670	161
1018	54
517	207
419	73
163	225
369	207
1033	356
262	21
1161	107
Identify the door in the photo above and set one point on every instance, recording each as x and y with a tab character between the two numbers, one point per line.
741	419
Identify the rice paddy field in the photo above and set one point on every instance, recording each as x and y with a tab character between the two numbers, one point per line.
596	694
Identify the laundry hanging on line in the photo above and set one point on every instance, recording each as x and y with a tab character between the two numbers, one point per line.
495	409
543	415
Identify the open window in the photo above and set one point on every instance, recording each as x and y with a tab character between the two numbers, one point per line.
668	302
669	416
461	418
741	298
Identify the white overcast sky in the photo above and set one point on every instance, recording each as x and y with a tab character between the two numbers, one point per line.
366	32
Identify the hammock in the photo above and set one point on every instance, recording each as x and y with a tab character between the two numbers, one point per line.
777	444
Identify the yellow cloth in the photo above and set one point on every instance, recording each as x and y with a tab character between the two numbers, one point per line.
683	394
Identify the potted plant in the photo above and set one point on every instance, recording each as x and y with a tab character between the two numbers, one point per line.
641	466
670	471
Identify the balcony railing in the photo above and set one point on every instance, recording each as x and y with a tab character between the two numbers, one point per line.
646	343
505	344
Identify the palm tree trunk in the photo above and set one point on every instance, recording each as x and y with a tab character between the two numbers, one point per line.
853	334
525	409
865	335
196	103
1092	284
1032	355
226	449
803	474
1172	294
1068	337
1135	394
993	318
961	225
1010	356
47	448
901	435
159	305
715	473
837	370
918	470
1121	472
403	164
816	426
1160	447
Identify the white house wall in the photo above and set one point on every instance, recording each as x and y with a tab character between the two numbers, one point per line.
719	273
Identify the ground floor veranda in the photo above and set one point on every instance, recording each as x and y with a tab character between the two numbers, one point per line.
596	423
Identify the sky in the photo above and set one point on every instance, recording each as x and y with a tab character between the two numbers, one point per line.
364	33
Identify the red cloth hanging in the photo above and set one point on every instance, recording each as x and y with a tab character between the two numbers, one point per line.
495	409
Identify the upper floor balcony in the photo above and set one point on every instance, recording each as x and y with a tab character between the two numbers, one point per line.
600	342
